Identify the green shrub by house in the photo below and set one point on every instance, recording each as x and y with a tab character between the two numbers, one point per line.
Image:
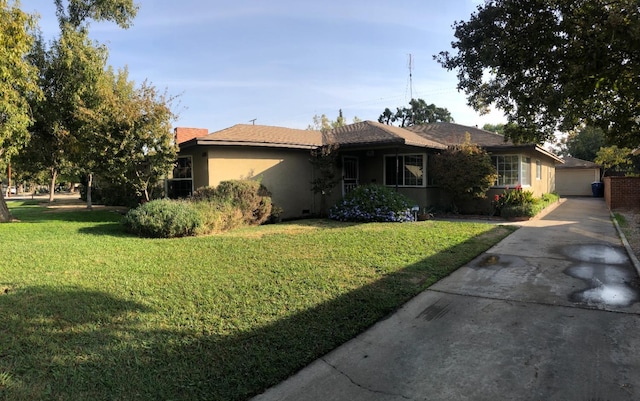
163	218
464	171
251	198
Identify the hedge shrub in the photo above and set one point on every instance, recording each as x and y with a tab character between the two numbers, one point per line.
251	198
163	218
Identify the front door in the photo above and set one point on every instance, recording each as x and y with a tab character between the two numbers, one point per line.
350	174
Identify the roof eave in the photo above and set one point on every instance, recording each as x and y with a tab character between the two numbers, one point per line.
210	142
536	148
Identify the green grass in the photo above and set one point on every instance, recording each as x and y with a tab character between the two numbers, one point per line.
91	313
622	221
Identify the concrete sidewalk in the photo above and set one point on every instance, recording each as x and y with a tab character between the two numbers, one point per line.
549	313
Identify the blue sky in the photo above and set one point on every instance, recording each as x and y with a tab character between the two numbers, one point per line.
281	61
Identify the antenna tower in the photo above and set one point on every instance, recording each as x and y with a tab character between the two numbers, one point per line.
410	76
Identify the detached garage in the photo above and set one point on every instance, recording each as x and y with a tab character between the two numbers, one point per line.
575	176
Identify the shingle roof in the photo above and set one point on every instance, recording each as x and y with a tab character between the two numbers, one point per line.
374	133
365	133
454	134
263	135
573	162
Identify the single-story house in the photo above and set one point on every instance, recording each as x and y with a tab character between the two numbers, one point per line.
575	176
368	152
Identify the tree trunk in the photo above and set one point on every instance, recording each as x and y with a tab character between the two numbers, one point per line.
5	216
9	181
89	184
52	184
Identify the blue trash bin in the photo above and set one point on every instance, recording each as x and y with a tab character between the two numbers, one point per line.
597	189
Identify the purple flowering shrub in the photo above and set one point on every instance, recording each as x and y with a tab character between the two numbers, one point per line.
370	203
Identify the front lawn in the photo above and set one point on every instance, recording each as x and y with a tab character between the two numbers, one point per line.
91	313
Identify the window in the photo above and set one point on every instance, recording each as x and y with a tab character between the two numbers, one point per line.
525	169
538	170
408	172
512	170
181	185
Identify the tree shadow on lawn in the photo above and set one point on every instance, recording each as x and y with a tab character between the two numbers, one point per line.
74	345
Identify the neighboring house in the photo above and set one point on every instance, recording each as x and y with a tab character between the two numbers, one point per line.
575	176
369	152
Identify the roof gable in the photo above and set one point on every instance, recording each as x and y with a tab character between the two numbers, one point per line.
574	162
454	134
364	133
374	133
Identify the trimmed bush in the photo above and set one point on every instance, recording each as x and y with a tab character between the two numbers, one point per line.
218	217
251	198
369	203
510	211
515	199
163	218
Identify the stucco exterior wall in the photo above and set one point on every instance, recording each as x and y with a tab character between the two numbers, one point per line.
287	174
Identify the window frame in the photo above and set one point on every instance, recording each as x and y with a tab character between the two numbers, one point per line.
538	169
524	166
182	180
402	177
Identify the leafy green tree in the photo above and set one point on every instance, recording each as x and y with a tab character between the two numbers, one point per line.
613	158
552	65
69	71
323	123
127	136
497	128
585	143
18	83
418	112
465	171
77	13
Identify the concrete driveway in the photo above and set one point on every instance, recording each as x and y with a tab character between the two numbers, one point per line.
549	313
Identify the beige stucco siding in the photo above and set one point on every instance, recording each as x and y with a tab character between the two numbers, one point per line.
576	182
287	174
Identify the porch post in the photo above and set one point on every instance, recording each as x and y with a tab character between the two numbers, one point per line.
397	169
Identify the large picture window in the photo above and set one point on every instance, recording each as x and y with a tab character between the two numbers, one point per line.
512	170
405	170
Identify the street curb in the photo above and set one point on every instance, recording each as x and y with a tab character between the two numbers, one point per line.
625	242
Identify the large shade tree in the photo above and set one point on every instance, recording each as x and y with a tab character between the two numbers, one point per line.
18	83
552	65
70	68
127	136
418	112
585	143
69	72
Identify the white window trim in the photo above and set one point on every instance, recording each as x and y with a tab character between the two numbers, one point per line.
538	170
520	163
424	170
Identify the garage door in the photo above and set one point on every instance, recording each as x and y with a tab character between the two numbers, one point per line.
570	182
